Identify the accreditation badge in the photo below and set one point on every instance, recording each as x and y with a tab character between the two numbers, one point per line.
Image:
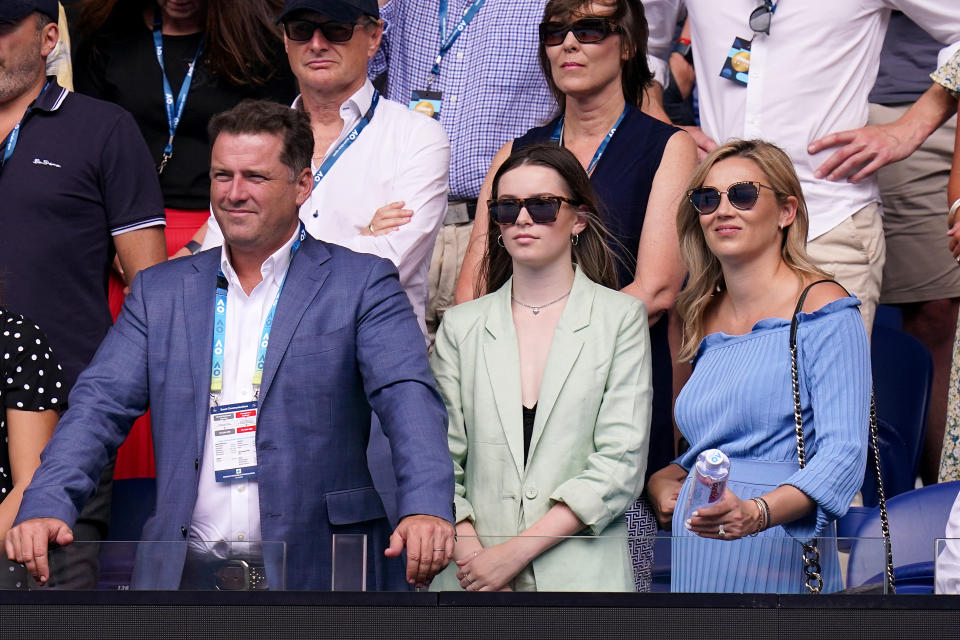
234	441
427	102
736	67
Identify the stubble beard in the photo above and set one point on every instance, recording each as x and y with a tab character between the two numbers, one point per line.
19	73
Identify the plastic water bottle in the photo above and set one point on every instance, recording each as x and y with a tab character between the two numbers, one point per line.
709	480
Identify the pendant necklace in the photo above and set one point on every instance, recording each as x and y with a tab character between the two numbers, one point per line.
536	309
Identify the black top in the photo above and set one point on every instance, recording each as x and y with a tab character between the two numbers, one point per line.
623	179
529	415
119	64
80	174
30	379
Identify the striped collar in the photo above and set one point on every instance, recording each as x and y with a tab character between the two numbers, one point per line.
52	97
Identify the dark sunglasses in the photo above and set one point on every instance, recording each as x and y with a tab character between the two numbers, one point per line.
542	209
586	31
301	30
761	17
742	195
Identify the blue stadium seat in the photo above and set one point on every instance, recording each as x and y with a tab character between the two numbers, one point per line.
902	378
917	519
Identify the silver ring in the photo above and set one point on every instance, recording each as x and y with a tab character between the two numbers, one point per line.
435	550
721	532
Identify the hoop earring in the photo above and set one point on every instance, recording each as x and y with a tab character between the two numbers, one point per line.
575	239
500	241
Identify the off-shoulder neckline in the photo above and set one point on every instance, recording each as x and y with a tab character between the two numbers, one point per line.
772	324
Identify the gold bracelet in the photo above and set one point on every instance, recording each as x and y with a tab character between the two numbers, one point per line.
763	511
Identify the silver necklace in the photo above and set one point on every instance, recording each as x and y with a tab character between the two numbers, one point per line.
536	308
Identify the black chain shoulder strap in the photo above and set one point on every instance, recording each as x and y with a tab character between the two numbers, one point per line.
811	554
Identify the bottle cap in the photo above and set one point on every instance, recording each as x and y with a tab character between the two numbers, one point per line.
714	458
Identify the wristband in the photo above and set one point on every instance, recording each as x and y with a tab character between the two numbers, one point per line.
683	46
193	247
953	212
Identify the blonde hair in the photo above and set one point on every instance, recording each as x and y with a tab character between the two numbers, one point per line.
706	275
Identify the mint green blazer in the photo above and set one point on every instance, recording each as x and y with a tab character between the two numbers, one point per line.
590	436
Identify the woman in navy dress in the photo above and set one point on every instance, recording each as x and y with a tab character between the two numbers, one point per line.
593	55
743	231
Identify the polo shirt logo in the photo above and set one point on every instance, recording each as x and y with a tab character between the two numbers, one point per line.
46	163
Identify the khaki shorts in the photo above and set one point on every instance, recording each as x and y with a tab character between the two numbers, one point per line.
854	253
919	265
448	252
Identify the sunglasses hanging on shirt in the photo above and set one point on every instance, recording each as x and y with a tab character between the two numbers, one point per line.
736	67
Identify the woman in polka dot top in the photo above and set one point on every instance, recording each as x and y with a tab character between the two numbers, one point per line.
31	398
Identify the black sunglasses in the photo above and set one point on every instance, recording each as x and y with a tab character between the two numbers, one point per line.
586	31
542	209
301	30
742	195
761	17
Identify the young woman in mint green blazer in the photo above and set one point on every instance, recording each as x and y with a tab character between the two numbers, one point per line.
547	384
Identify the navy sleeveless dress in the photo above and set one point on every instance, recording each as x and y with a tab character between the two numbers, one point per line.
623	179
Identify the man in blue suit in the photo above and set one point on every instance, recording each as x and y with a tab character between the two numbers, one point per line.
285	344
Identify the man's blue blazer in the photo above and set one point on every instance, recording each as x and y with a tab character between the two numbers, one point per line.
344	341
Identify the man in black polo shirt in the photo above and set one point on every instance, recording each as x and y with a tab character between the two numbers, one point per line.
76	186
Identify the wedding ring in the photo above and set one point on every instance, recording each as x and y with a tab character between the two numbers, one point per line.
721	532
435	550
370	226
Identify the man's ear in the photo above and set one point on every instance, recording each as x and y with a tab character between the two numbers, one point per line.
49	37
304	185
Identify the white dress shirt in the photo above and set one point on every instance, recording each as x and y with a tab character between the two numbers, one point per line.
400	155
810	77
230	511
948	559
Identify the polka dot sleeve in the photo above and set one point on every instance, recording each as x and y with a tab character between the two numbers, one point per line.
32	377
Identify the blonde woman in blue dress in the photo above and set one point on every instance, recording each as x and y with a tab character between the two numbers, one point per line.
743	230
547	384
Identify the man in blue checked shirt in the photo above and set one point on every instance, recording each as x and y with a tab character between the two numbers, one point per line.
474	64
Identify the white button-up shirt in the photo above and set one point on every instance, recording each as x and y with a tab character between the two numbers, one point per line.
400	155
230	511
810	77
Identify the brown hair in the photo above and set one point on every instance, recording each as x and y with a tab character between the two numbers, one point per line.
264	116
591	252
706	276
241	36
629	16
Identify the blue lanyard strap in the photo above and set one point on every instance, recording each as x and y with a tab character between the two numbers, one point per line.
15	134
558	138
447	39
174	108
220	326
349	140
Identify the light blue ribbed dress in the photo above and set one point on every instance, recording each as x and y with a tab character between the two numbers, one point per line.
739	400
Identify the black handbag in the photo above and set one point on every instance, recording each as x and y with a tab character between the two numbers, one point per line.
811	554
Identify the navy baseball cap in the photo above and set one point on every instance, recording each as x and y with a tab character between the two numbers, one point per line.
14	10
337	10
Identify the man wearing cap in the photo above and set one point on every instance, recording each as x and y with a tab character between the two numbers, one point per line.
380	170
260	362
77	185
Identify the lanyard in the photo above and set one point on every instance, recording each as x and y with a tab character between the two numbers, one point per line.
558	138
349	140
174	109
15	134
447	39
220	327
